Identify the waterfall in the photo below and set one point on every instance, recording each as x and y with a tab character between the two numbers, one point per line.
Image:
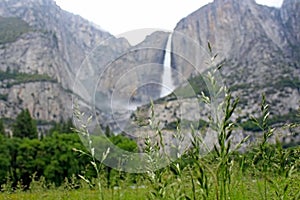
167	83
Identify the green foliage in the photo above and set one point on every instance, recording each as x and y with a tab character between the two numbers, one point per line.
4	160
17	78
239	87
186	124
25	126
63	127
29	160
124	143
290	117
280	83
2	128
11	28
51	158
12	145
286	82
3	97
196	85
60	160
250	126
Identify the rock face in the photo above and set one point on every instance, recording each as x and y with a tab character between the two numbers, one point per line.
49	55
259	46
54	46
289	14
57	43
128	78
45	100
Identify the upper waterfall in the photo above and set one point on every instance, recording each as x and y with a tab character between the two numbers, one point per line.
167	83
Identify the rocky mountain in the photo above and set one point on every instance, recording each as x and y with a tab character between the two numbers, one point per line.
47	45
259	49
47	49
258	45
48	55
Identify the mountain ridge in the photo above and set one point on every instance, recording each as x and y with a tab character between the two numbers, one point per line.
258	45
253	42
55	45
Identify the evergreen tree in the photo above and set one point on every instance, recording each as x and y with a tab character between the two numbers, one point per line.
67	127
2	129
63	127
25	126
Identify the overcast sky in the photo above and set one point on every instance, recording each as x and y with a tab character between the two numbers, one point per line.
120	16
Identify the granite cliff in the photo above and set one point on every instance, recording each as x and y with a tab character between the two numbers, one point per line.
45	50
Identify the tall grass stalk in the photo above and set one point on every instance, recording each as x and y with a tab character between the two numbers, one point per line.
223	106
263	155
273	160
82	129
155	150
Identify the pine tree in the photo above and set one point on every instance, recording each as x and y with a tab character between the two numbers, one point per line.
25	126
2	129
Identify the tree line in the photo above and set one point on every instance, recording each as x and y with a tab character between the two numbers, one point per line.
23	154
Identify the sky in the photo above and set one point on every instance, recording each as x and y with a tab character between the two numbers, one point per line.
120	16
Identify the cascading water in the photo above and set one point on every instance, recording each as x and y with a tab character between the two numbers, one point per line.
167	83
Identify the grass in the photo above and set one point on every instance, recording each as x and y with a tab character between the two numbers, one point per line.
80	194
243	187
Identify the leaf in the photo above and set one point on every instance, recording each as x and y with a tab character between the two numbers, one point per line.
253	119
89	119
80	151
83	178
105	154
286	187
205	98
266	116
209	47
93	152
220	65
217	151
214	57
